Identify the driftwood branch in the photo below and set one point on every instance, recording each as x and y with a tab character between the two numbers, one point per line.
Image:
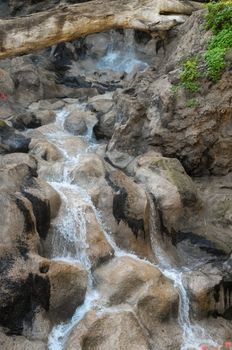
24	34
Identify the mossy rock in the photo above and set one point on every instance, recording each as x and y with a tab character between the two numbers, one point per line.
176	175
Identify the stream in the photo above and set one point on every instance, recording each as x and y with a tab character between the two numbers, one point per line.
69	246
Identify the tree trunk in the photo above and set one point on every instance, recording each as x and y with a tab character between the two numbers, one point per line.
21	35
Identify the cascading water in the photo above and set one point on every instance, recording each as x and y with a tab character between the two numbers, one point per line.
69	228
69	244
122	59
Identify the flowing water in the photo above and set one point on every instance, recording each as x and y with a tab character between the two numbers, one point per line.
69	241
122	59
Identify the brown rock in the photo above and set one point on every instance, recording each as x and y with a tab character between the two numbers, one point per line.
119	331
44	150
174	191
68	284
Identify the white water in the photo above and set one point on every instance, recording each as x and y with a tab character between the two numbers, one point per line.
124	58
69	244
69	241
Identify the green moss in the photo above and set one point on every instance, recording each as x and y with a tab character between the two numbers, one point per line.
190	75
192	103
175	89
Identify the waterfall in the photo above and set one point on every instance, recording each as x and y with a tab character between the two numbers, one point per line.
193	335
69	244
69	241
123	58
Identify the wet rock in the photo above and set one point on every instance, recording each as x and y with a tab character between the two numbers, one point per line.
25	120
97	45
90	168
6	83
17	221
99	248
12	176
47	105
18	159
33	81
44	150
11	140
105	126
45	202
153	117
85	228
75	124
45	116
173	190
68	284
210	292
119	330
126	281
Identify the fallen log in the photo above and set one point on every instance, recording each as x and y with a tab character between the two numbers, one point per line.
21	35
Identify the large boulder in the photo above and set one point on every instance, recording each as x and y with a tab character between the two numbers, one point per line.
68	284
32	119
18	159
75	124
210	292
115	331
44	150
172	189
89	170
141	286
215	219
45	202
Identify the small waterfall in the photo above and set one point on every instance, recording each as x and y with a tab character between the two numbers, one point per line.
121	58
70	244
193	335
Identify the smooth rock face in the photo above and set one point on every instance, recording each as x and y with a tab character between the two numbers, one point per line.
44	150
215	222
68	284
172	189
75	124
125	280
90	169
118	330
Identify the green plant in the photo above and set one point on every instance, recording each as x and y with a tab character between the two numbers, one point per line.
219	15
190	75
219	20
192	103
175	89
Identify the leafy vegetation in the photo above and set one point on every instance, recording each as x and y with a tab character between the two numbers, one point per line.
192	103
219	20
190	74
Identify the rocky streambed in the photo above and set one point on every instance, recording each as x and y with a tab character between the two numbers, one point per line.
116	197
